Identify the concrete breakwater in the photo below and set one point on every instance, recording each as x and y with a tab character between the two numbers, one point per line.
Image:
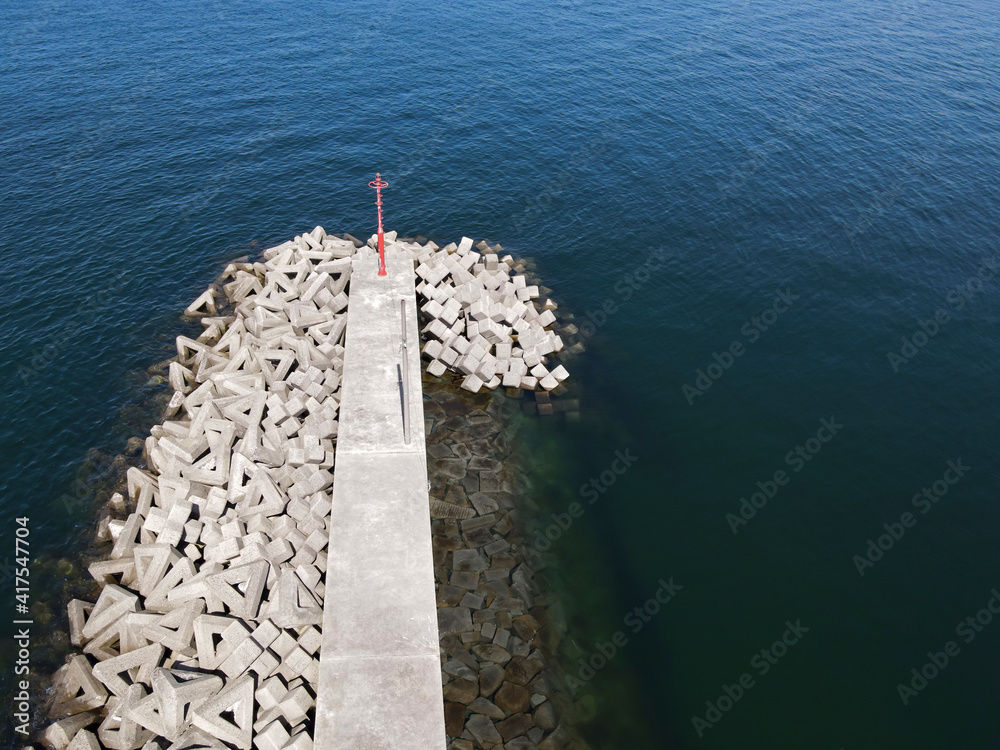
206	631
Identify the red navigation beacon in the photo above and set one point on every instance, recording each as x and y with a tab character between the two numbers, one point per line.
378	183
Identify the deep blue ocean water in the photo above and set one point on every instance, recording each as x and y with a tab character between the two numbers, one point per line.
809	183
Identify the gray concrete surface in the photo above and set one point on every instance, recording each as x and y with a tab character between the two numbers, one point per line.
380	675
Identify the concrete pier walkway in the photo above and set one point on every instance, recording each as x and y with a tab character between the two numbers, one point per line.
380	673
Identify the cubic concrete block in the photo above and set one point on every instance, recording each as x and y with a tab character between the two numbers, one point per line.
528	382
273	736
241	658
560	373
472	383
546	318
486	370
548	382
539	371
433	349
468	364
532	357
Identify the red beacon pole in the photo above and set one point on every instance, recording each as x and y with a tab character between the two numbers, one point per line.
378	183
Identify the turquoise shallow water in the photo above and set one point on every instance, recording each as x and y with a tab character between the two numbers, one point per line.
847	153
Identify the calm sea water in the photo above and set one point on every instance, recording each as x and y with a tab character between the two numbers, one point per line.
804	184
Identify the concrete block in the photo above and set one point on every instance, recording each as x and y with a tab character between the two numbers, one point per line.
241	658
270	693
235	699
273	736
59	734
310	640
78	612
472	383
292	605
546	318
467	364
230	632
175	694
181	571
433	349
124	635
296	704
175	629
139	664
436	368
241	588
113	603
548	382
295	663
118	730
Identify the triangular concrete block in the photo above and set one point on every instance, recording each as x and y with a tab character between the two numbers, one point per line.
236	698
60	733
241	587
182	570
76	688
180	693
84	740
119	731
213	470
216	637
175	630
104	571
127	539
263	497
152	562
173	490
122	636
113	603
241	472
148	713
197	739
78	611
244	410
138	665
292	605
